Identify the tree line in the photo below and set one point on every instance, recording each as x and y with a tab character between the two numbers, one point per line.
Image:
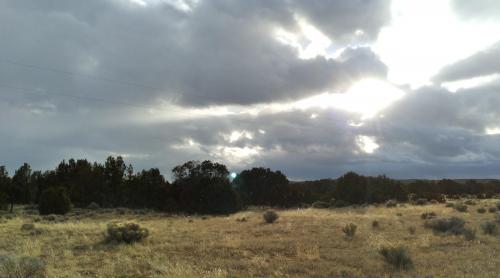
206	187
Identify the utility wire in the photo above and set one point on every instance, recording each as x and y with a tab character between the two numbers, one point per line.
34	92
104	79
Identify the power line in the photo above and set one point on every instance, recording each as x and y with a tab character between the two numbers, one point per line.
34	92
89	76
104	79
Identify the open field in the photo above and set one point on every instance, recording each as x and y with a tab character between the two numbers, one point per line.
302	243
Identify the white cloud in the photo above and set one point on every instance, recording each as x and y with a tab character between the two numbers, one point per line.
426	35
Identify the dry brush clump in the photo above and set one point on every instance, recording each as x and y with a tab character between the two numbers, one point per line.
469	234
481	210
428	215
489	228
493	209
21	267
270	216
470	202
460	207
412	230
420	202
127	232
452	225
398	257
391	203
350	230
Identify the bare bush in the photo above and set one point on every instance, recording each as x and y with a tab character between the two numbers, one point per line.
489	228
21	267
270	216
453	225
460	207
391	203
428	215
127	232
397	257
350	230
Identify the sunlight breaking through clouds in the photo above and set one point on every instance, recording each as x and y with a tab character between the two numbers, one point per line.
367	144
309	42
366	97
425	36
455	86
493	130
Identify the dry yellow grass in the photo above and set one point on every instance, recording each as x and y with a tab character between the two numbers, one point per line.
302	243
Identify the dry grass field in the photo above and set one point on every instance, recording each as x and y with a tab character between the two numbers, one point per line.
301	243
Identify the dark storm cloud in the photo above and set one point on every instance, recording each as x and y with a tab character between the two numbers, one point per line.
339	19
220	52
482	63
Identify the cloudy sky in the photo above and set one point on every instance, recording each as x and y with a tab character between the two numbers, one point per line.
314	88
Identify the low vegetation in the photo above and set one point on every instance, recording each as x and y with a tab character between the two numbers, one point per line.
428	215
350	230
127	232
452	225
302	243
397	257
21	267
489	228
469	234
270	216
460	207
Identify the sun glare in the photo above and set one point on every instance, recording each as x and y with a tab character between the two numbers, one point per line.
367	144
367	97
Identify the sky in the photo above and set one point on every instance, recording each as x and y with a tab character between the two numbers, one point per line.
315	88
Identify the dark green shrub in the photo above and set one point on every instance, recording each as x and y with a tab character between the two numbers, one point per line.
270	216
398	257
453	225
428	215
481	210
469	234
350	230
320	204
489	228
21	267
460	207
127	232
54	200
